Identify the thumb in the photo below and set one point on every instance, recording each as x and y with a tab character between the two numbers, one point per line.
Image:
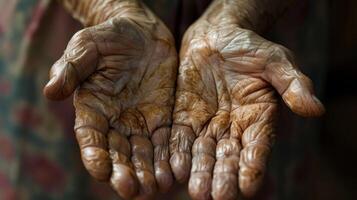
76	64
295	88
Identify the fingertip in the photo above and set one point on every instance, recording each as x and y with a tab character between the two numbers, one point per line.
97	162
123	181
299	97
320	108
224	186
51	89
63	83
163	176
305	105
249	182
248	190
181	166
199	186
148	185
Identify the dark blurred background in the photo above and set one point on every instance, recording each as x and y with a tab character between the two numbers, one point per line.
313	159
319	155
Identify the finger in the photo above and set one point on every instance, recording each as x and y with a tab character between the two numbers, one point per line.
142	159
295	88
181	141
123	179
254	124
203	152
163	175
253	114
225	174
76	64
257	141
195	104
91	128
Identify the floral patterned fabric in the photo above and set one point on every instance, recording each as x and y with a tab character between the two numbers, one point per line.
39	157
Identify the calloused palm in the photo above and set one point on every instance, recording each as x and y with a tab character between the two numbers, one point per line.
125	68
226	105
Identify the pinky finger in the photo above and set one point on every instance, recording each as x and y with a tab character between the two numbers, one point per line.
257	140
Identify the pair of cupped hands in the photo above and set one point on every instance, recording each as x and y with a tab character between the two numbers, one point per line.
145	118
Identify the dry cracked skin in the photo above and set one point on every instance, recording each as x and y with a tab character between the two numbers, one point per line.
125	65
226	104
219	126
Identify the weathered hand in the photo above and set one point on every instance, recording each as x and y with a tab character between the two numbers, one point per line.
225	108
125	68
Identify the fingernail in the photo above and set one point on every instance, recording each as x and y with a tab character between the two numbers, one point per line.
321	108
51	81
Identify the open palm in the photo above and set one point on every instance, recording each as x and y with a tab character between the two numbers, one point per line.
226	105
125	68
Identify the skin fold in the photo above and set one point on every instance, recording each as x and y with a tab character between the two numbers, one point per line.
122	69
226	99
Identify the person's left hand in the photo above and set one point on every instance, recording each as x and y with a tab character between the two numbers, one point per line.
225	108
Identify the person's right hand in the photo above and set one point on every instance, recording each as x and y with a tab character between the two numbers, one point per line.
125	70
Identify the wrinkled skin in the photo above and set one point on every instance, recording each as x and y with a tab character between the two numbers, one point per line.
124	69
226	106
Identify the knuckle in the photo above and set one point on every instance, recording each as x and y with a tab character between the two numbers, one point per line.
281	53
81	34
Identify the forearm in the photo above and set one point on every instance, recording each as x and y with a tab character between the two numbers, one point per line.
92	12
256	15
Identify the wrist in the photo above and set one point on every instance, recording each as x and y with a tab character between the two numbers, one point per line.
255	15
230	12
92	12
